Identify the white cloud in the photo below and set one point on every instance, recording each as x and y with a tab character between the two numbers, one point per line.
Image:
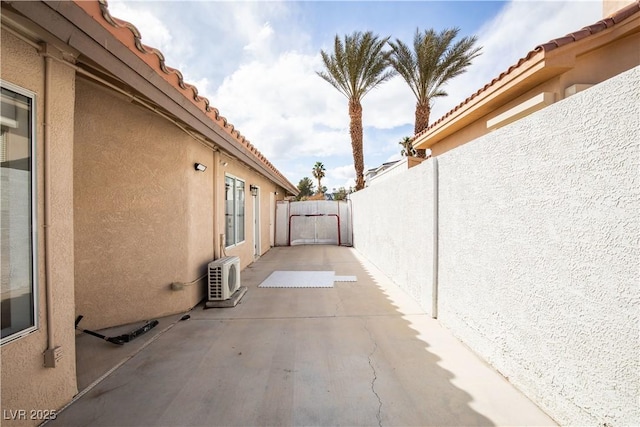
390	105
153	31
203	85
284	106
251	21
208	38
342	175
260	41
343	172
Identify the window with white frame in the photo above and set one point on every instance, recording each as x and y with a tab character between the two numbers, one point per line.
234	210
17	219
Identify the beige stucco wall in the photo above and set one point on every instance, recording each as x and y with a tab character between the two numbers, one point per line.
26	384
611	6
143	215
144	218
592	67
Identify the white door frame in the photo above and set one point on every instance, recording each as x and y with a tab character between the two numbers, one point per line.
272	219
256	225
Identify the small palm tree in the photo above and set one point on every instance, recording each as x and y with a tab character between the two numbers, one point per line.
407	147
356	66
434	60
318	173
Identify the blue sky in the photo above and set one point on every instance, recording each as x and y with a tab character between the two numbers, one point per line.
256	63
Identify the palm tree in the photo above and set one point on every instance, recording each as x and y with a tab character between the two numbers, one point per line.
407	147
318	173
356	66
433	61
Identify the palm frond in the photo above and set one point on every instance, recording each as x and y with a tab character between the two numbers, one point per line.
357	65
433	62
404	61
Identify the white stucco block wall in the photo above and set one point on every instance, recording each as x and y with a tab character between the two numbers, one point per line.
539	252
392	228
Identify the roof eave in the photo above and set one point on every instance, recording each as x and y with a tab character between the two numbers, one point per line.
539	66
77	25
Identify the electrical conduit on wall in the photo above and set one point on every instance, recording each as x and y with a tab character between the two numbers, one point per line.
217	247
47	203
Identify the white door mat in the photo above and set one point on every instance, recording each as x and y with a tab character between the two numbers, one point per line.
345	279
299	279
304	279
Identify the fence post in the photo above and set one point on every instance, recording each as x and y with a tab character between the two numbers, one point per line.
434	285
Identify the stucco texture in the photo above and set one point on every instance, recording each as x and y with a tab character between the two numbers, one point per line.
26	384
539	249
144	217
143	214
387	218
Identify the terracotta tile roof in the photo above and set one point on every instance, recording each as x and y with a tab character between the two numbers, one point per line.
129	35
610	21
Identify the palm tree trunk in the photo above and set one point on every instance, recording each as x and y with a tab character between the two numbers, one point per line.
355	128
423	111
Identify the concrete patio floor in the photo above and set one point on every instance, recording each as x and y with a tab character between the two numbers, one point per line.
359	354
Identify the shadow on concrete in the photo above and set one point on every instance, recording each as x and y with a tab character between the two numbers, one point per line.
346	355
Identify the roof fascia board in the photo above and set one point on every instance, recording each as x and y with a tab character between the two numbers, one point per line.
595	41
71	24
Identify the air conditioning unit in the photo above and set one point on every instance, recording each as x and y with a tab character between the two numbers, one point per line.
224	278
